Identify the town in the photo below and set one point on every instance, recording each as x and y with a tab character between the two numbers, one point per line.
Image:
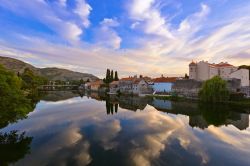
237	79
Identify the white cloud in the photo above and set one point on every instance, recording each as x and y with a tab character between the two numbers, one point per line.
83	9
106	36
60	20
144	13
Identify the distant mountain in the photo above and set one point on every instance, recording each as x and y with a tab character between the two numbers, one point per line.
50	73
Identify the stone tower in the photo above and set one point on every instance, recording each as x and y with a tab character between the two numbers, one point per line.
193	70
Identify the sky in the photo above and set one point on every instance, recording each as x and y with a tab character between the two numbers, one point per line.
148	37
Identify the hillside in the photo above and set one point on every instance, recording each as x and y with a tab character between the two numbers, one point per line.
50	73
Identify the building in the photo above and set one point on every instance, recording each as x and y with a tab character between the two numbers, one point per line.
134	85
126	84
203	70
163	84
94	86
141	86
114	87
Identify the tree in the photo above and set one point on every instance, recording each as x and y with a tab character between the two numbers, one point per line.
116	76
108	76
186	76
81	81
32	81
111	76
13	104
214	90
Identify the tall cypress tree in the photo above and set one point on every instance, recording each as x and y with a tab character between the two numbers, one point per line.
108	76
116	76
112	76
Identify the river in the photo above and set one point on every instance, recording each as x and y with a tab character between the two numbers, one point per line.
66	128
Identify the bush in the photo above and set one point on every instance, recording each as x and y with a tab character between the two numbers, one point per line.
214	90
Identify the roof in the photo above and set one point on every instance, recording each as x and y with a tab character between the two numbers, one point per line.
127	79
222	64
98	82
114	83
165	79
192	63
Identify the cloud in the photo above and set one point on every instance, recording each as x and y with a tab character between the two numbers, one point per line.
83	10
156	44
148	17
106	36
60	20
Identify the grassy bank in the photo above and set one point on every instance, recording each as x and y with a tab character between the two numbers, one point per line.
171	98
243	103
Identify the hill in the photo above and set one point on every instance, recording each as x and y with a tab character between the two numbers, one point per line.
50	73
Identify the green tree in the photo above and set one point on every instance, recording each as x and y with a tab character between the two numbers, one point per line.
111	76
32	81
108	76
186	76
116	76
81	81
13	104
214	90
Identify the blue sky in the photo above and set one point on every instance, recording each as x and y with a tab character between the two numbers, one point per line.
149	37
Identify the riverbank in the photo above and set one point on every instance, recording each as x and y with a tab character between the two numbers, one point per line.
244	102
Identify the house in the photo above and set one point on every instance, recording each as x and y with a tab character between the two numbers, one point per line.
140	86
163	84
134	85
126	84
113	87
94	86
203	70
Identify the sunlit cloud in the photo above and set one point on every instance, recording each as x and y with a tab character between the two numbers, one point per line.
142	38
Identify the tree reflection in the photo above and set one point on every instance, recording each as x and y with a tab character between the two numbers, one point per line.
111	108
13	147
13	110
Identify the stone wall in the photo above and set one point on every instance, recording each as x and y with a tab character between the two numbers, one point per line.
190	88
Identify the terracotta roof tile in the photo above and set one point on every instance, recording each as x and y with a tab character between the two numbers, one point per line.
165	79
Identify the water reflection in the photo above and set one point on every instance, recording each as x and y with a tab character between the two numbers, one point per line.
13	147
200	115
125	130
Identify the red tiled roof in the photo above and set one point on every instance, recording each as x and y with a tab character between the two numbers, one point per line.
223	65
127	79
114	83
98	82
165	79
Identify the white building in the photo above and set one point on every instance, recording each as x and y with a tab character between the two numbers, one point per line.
203	71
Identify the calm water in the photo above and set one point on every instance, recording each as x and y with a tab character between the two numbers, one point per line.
66	129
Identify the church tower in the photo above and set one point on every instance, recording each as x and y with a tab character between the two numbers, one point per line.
193	70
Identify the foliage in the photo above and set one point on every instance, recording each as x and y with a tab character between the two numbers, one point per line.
186	76
116	76
214	90
14	104
110	76
13	147
32	81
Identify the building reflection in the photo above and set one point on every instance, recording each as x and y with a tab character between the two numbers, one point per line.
203	115
200	116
